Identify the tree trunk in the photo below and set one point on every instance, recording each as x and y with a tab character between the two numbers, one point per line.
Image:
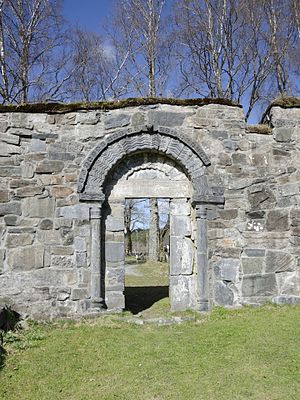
154	231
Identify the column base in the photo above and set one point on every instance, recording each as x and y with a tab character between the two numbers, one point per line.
204	306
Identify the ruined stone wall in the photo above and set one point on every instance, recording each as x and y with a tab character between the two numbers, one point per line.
253	240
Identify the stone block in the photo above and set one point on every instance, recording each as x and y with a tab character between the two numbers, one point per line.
29	191
223	294
10	171
62	250
114	251
46	224
181	291
283	134
49	237
253	265
289	283
61	191
180	225
37	146
81	260
166	118
11	220
259	285
79	294
114	279
4	196
277	220
49	167
10	208
255	252
228	214
261	197
78	211
79	244
115	300
281	300
290	189
61	156
227	269
114	224
228	252
180	207
116	121
62	262
26	258
17	240
279	261
41	208
11	139
182	256
7	149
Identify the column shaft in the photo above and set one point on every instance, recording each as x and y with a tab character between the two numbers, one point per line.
96	292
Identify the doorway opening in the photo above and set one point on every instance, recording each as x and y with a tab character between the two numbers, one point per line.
147	252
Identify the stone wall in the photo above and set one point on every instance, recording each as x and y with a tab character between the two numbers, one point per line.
253	239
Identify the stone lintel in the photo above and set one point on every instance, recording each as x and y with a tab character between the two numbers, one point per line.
203	199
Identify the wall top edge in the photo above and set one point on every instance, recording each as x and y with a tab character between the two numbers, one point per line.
112	105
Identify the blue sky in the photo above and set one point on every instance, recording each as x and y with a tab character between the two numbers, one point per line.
88	14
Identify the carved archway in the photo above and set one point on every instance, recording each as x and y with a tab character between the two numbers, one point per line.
113	149
107	155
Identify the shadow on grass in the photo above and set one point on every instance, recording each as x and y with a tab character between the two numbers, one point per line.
138	298
2	357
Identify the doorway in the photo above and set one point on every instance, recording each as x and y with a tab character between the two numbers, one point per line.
147	253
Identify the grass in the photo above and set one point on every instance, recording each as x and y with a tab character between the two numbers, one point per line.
252	353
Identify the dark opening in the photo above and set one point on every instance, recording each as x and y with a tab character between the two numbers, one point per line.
147	224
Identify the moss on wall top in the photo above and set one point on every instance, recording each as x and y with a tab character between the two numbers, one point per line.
110	105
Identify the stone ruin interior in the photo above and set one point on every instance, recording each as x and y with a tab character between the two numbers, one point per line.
233	193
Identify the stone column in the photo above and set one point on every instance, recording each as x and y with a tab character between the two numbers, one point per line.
96	292
202	260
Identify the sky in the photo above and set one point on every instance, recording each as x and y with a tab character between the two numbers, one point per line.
88	14
93	14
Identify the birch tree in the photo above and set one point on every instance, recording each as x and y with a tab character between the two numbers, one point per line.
139	27
30	38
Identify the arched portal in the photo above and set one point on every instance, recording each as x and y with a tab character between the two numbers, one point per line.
149	163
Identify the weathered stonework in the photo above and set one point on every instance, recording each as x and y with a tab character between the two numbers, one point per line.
234	198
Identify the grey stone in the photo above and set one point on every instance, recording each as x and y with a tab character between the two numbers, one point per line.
253	265
2	256
230	145
37	146
279	261
259	285
181	292
80	244
4	196
78	211
79	294
223	295
8	138
26	258
61	156
44	136
166	118
29	191
41	208
114	224
49	167
227	269
116	121
283	134
180	225
115	300
8	149
182	256
255	252
114	251
10	208
261	197
281	300
17	240
277	220
12	171
46	224
11	220
81	260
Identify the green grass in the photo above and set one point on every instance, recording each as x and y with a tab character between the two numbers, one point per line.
149	273
252	353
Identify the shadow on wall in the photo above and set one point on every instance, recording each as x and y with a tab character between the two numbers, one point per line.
138	298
